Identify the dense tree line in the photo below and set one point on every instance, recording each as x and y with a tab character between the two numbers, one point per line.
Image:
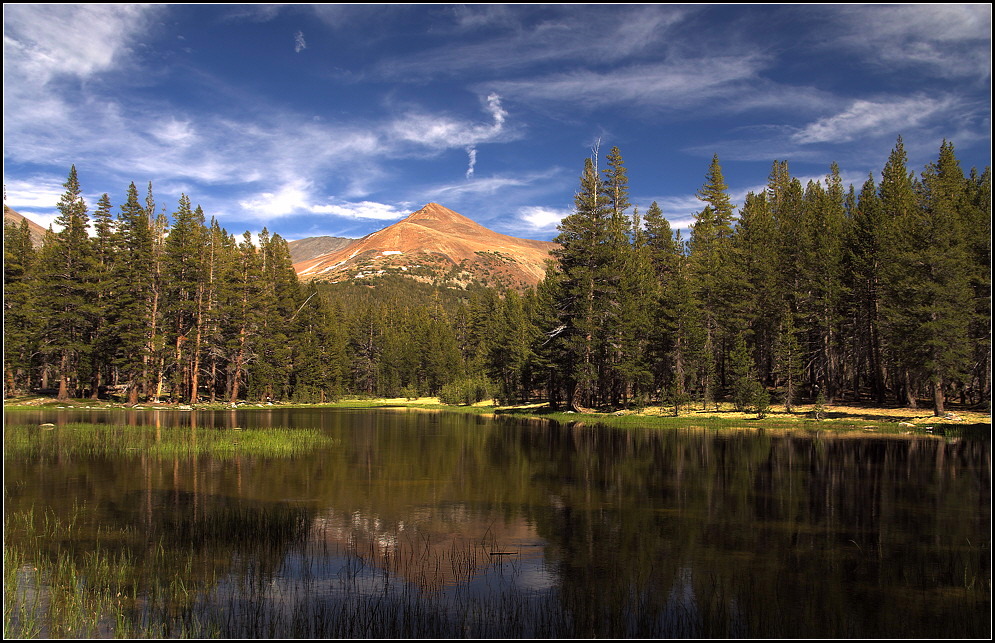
819	292
156	310
815	291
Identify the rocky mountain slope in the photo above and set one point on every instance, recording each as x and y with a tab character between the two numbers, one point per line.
311	247
435	245
14	218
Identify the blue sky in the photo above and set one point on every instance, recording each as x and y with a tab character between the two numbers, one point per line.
342	119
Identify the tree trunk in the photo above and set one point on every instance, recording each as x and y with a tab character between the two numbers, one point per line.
938	397
910	395
63	384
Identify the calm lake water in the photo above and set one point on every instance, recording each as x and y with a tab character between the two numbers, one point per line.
417	524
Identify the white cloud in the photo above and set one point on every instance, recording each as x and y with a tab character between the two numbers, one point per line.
299	44
471	17
44	43
943	40
672	85
865	116
297	198
542	219
44	219
45	40
174	132
289	199
362	210
564	34
489	185
472	154
34	193
441	132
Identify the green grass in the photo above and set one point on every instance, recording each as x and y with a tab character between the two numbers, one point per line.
82	439
858	422
706	421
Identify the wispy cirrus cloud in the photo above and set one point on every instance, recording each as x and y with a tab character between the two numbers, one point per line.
44	41
718	84
865	116
439	132
47	45
491	185
299	43
537	37
942	40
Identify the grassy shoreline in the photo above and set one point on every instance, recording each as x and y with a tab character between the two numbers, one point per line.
836	417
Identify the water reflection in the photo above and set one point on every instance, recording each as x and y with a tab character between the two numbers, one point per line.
584	531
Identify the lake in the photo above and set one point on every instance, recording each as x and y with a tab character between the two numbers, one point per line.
418	524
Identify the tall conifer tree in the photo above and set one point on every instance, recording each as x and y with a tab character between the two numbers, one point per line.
66	291
19	328
134	319
710	252
942	302
579	301
901	244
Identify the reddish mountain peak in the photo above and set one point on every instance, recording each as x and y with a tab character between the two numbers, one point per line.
437	213
433	244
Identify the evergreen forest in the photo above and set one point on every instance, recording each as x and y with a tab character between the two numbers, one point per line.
877	293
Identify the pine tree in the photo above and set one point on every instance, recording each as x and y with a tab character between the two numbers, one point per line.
185	280
903	237
220	258
662	251
134	320
756	243
640	294
520	335
579	301
830	229
19	328
711	252
942	303
441	362
549	349
318	350
817	299
104	340
862	276
688	356
66	293
621	270
978	232
278	297
745	387
241	314
158	346
790	365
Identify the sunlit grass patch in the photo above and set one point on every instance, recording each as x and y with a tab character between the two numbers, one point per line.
83	439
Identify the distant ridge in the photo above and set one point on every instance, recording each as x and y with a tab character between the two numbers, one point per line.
311	247
435	245
36	232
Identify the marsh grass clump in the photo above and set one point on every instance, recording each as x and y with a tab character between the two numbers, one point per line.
83	439
51	590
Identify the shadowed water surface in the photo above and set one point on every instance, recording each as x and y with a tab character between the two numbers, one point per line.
414	524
